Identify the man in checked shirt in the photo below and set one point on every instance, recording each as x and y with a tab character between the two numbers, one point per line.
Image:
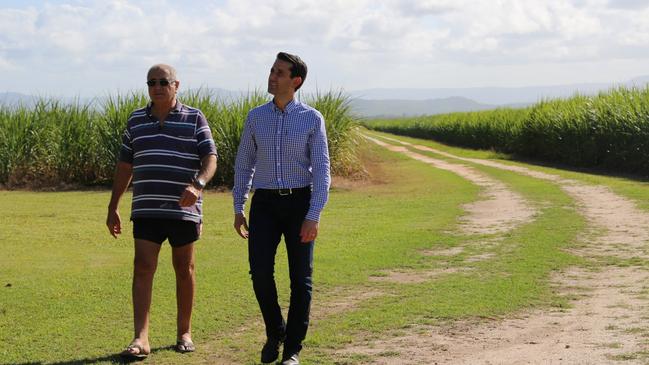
283	156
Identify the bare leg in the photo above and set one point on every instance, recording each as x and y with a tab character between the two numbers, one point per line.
144	267
183	261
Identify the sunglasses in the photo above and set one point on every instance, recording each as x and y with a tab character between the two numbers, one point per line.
162	82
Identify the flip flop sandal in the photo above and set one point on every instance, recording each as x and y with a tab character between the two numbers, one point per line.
129	354
185	346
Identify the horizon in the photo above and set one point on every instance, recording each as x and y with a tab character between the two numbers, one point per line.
306	91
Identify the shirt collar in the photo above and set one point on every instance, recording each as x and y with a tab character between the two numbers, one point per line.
175	109
288	108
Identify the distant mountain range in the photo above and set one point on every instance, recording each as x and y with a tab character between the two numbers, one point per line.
9	98
390	108
387	103
497	95
412	102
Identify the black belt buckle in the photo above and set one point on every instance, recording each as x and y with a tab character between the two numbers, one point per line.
284	192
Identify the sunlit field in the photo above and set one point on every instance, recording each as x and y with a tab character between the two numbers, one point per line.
608	130
53	144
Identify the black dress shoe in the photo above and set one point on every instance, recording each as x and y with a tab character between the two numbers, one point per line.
270	351
292	360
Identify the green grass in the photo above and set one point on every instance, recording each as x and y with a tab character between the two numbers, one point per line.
69	298
514	278
70	280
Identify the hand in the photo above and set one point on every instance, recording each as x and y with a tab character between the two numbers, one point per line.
189	196
309	231
240	225
114	223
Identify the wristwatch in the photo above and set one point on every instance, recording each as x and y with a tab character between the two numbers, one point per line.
199	183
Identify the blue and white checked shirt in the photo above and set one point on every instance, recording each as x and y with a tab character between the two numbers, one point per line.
281	150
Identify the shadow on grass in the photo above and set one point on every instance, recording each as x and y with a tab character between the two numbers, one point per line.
113	358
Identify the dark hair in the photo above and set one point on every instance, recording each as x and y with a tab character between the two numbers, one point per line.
298	67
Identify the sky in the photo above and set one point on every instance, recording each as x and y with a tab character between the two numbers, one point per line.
89	48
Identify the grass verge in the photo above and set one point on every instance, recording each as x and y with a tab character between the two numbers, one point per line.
66	283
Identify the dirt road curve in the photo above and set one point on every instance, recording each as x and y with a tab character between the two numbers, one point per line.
606	324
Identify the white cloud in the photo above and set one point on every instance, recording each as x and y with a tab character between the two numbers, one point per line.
426	7
628	4
353	43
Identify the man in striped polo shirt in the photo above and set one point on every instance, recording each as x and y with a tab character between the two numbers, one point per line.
283	155
169	155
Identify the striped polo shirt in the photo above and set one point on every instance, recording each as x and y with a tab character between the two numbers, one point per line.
165	159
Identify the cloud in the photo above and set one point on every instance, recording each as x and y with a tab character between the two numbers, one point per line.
107	32
628	4
232	42
426	7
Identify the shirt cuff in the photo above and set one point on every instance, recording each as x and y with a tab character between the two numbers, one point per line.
313	216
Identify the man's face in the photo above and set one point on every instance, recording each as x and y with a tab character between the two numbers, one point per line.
163	89
280	81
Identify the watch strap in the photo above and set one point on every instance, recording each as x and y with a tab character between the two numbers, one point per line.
198	184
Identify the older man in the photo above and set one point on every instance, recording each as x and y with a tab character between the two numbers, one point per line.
169	155
283	155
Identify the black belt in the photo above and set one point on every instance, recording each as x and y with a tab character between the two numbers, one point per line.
284	192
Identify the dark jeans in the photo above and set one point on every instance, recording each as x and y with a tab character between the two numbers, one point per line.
272	216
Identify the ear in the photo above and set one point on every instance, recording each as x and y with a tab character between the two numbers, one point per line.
296	81
177	83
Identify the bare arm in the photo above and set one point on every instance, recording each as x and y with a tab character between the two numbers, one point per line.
123	176
206	173
208	168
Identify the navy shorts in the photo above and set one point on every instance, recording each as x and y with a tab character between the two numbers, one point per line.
156	230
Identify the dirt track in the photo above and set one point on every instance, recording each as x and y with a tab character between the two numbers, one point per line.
606	325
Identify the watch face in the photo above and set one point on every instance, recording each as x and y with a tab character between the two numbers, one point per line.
199	183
